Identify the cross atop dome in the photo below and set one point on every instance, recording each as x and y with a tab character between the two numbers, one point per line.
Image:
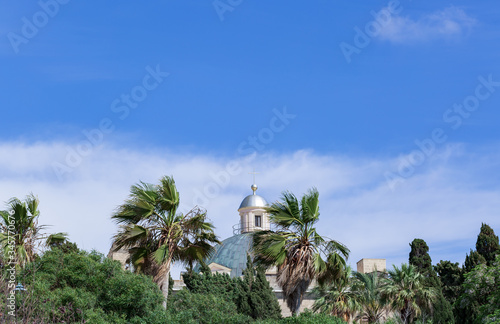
254	186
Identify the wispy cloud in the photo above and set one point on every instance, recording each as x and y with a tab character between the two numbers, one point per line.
450	23
443	204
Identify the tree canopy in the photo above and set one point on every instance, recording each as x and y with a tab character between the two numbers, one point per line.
251	294
21	237
487	244
440	309
78	286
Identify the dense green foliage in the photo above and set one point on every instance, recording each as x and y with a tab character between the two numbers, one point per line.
481	297
369	288
338	298
207	283
420	258
409	292
251	294
191	308
451	276
307	317
255	296
441	309
478	299
473	259
76	286
187	307
487	244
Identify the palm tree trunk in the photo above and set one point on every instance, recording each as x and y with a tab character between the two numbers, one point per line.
406	313
164	289
162	280
294	303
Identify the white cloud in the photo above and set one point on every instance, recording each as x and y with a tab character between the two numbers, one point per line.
444	203
450	23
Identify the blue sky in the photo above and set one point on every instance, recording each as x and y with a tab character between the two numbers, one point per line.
236	69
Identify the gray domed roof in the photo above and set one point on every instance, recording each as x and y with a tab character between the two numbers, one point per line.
253	201
232	253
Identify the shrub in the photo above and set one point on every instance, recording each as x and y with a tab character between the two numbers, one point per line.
189	307
81	286
307	317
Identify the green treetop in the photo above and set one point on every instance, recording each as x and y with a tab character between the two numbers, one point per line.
420	258
487	244
440	308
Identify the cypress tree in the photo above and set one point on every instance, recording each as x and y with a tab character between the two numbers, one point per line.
205	269
451	277
207	283
487	244
244	287
263	298
256	297
251	293
420	258
472	260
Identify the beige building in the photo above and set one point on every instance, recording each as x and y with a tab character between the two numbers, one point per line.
370	265
121	255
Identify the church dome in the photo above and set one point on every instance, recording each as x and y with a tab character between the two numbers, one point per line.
253	200
232	253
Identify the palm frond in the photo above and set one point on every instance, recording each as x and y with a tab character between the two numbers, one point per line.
32	203
269	248
129	236
56	238
333	246
161	254
285	213
168	195
310	207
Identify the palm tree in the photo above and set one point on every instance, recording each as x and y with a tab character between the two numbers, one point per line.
368	288
157	235
300	254
407	291
337	297
20	235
